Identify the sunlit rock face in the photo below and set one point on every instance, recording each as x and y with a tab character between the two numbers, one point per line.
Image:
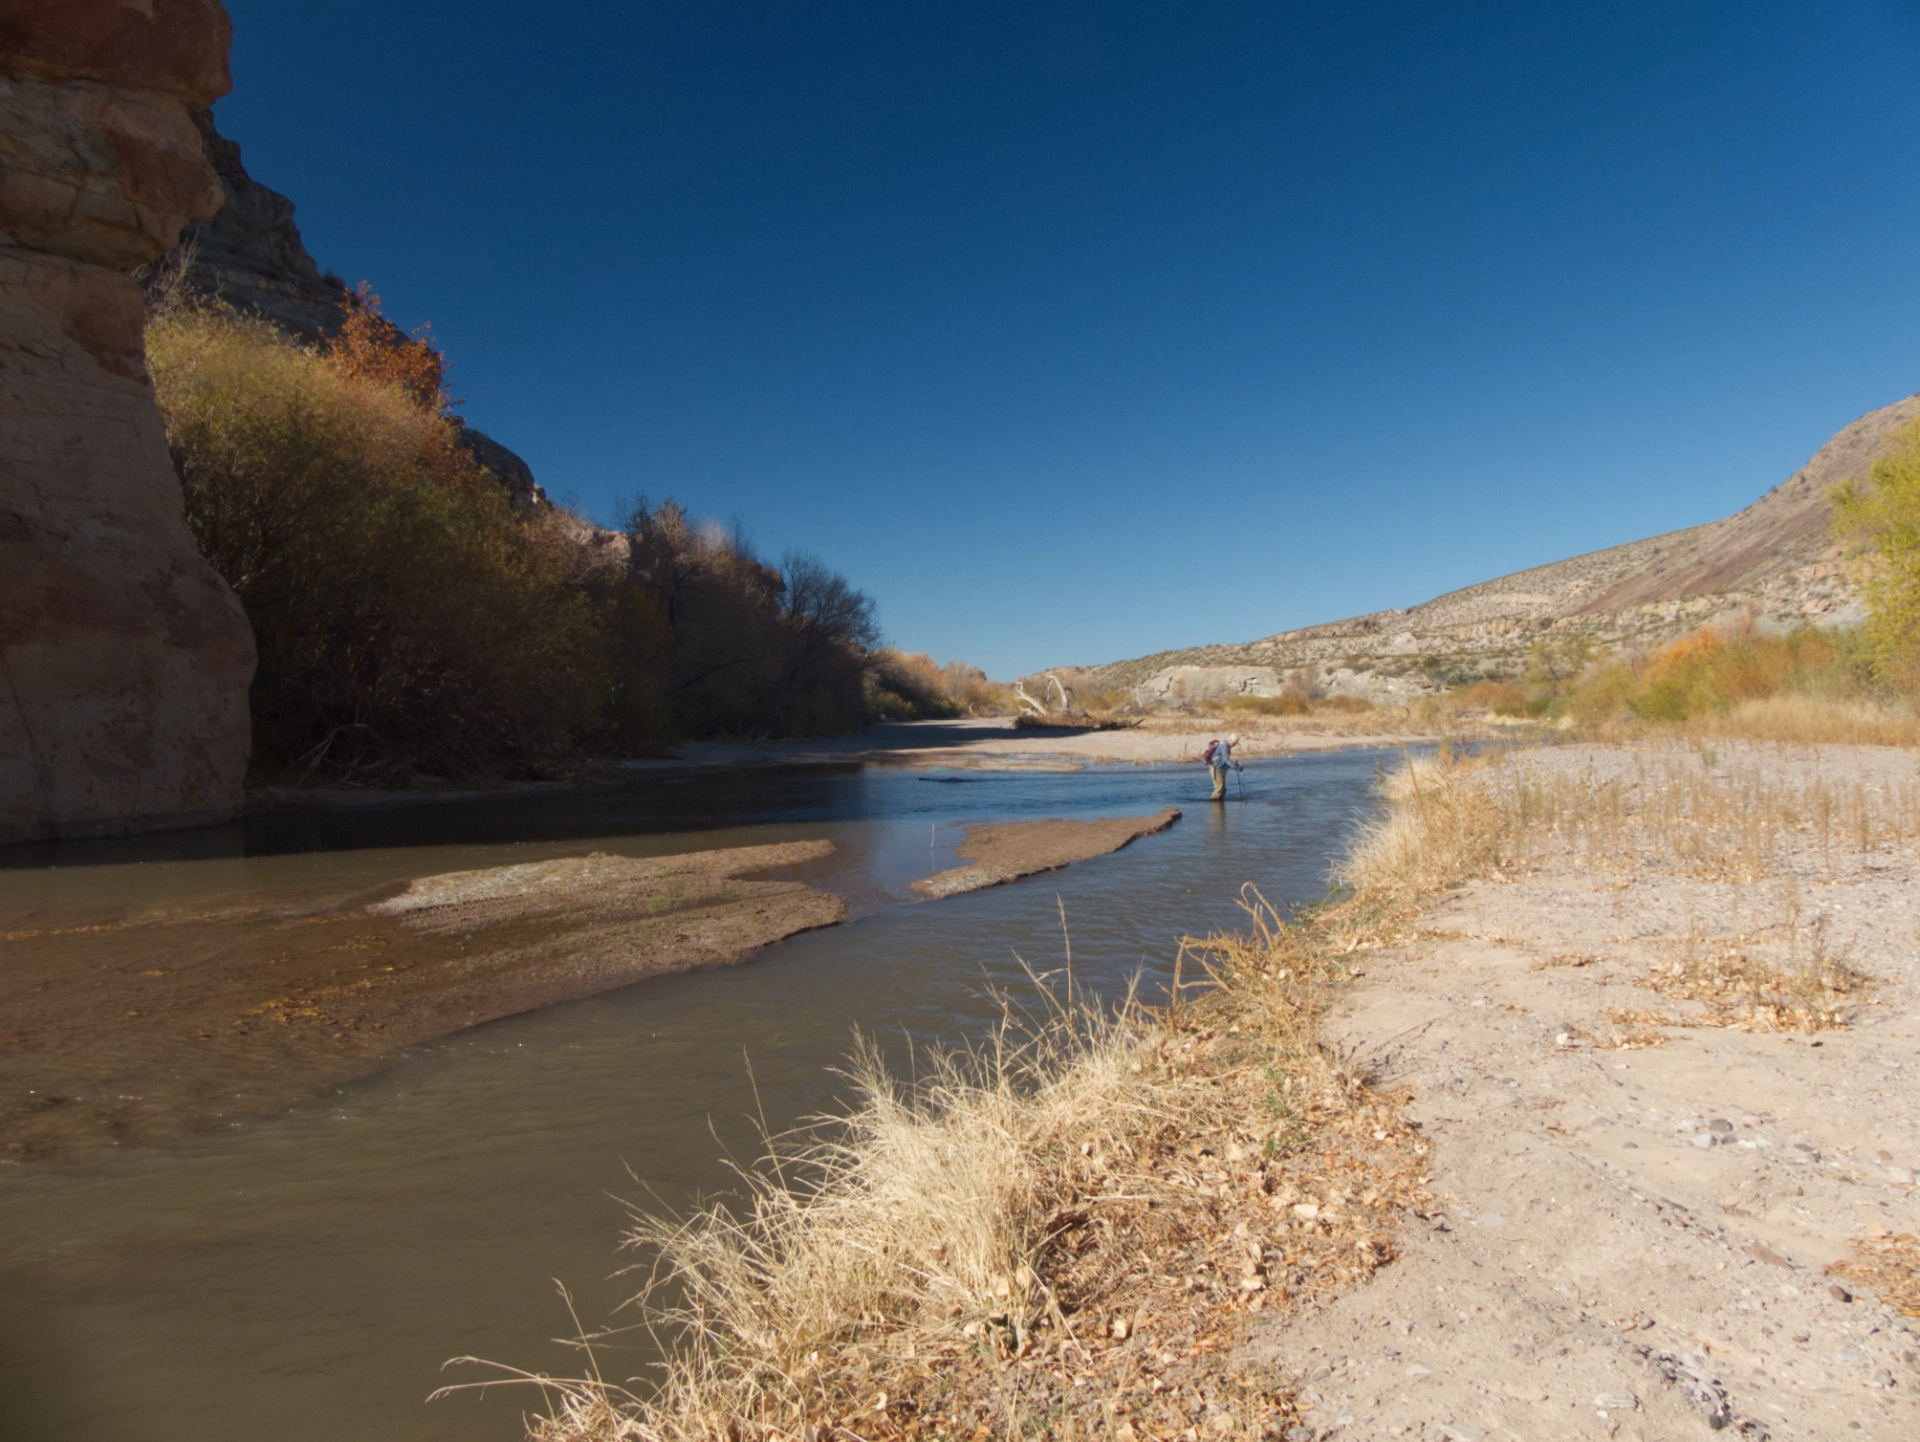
124	660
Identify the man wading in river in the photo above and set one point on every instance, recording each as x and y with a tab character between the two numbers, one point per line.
1219	755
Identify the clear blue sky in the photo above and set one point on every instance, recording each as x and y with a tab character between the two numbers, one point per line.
1072	332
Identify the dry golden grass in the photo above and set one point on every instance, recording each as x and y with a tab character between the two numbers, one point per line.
1791	719
1809	720
1888	1265
1695	814
1059	1233
1443	824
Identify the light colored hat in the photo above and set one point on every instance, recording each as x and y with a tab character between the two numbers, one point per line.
1234	740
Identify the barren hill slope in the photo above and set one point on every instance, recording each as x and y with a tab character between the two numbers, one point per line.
1773	561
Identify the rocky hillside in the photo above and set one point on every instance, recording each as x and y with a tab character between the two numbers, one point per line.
1773	562
249	255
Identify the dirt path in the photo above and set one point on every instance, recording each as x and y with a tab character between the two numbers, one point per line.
124	1024
1009	851
1638	1218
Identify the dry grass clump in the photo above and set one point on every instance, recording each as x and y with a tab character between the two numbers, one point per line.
1888	1265
1635	1029
1059	1233
1443	823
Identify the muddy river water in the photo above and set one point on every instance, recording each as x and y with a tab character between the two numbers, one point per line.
305	1277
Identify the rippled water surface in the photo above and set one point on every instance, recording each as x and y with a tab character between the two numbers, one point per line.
304	1278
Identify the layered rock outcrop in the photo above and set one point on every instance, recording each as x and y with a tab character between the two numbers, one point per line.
249	254
124	659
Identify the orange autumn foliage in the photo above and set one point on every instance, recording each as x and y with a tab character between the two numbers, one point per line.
370	347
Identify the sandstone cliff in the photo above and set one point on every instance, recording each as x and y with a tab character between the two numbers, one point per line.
124	660
1772	563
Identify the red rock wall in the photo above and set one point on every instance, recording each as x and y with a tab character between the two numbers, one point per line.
124	660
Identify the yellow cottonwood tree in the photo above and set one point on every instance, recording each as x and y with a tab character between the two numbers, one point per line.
1881	516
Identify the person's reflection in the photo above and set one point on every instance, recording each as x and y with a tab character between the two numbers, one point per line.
1216	819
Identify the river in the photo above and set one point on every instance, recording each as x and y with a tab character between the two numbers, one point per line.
305	1277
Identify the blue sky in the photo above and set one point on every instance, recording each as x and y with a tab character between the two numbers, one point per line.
1074	332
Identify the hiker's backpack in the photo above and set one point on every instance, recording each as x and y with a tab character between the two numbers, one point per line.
1206	757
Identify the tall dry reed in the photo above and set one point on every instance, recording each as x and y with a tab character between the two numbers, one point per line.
1443	823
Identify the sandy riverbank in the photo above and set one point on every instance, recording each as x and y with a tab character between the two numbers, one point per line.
1639	1217
123	1024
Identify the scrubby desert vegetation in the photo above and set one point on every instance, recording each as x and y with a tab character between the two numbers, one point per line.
906	686
1855	686
410	622
1804	686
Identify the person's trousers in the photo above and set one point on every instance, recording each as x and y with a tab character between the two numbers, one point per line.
1219	783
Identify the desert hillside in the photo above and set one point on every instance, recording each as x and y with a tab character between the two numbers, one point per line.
1774	560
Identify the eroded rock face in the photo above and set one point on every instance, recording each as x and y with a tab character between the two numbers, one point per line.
249	255
124	659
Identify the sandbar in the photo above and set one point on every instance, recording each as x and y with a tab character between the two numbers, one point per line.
1010	850
126	1024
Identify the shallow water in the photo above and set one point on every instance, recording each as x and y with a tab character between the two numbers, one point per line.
304	1278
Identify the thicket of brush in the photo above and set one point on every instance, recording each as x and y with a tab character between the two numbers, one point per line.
909	686
409	621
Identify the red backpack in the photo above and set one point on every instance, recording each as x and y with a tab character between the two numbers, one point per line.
1206	757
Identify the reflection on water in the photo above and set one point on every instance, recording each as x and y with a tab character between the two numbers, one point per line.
304	1278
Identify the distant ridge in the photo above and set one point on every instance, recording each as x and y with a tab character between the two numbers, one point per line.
1773	561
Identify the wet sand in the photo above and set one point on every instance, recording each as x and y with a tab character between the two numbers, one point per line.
1008	852
123	1024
